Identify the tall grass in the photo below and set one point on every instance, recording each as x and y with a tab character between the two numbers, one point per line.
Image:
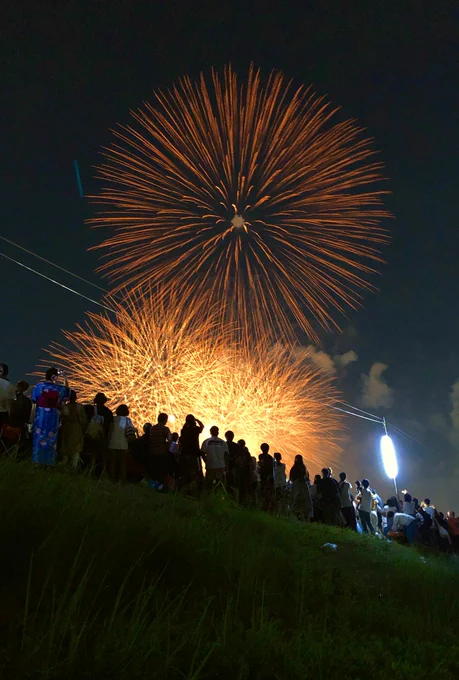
119	582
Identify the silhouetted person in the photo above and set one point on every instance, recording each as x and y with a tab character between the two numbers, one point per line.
233	454
190	452
243	472
330	498
266	470
160	439
347	506
301	496
7	394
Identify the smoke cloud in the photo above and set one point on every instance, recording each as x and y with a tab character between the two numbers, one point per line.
375	390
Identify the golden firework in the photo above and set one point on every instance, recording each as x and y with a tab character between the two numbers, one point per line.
248	194
156	359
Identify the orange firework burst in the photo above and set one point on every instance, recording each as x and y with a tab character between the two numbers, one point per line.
156	360
247	195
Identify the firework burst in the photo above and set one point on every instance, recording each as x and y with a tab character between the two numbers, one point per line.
248	194
156	359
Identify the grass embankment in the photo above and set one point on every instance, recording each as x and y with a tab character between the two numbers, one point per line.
104	582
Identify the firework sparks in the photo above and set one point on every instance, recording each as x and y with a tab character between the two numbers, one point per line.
248	194
156	360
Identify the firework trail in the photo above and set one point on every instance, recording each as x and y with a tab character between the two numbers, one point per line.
156	359
249	196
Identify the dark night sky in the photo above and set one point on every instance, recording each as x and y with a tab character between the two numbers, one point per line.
70	74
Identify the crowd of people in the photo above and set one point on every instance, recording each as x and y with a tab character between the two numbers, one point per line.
52	426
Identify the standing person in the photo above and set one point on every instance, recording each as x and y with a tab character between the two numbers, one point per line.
301	496
280	482
160	439
347	507
48	398
215	454
330	498
316	497
21	407
453	529
233	454
243	472
266	470
120	431
74	424
7	395
366	499
173	458
100	419
409	506
190	452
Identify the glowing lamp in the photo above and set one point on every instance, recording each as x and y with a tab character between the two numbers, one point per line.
389	458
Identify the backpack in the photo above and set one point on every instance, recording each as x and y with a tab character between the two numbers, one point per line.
95	429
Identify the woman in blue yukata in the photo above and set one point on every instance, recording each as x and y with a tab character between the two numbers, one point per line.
48	397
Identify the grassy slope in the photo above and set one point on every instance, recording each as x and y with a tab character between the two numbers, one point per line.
112	583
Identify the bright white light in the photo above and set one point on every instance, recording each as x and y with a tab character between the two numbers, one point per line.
388	456
171	419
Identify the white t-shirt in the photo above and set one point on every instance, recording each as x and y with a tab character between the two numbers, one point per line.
7	393
118	439
215	449
344	497
408	508
401	519
366	503
430	511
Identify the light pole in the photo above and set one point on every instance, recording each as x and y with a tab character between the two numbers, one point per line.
389	457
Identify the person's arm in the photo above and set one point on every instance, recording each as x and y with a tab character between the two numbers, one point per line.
395	524
200	424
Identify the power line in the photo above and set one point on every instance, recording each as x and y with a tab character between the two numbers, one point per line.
57	283
53	264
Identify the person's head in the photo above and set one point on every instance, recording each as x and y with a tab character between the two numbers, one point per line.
298	459
4	370
342	476
22	387
427	501
190	419
390	514
175	436
441	515
365	483
277	457
100	399
162	418
416	502
407	498
229	436
73	396
317	479
325	472
51	374
214	431
146	428
451	514
241	443
264	448
122	410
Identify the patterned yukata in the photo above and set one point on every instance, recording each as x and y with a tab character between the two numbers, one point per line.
48	398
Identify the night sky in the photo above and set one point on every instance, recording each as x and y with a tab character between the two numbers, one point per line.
70	75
